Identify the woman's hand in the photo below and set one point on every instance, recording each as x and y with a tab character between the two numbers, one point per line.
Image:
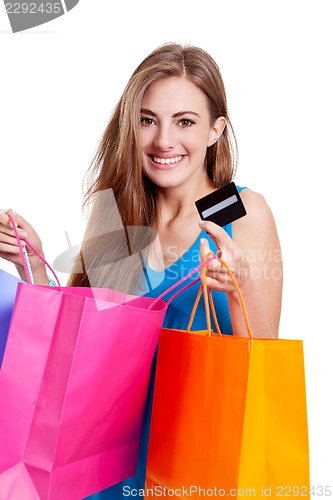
217	276
254	256
9	248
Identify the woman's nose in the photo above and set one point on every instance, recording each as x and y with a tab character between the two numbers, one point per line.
165	138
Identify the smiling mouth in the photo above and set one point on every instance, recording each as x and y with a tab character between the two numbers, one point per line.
166	161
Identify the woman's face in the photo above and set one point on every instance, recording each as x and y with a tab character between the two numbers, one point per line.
176	131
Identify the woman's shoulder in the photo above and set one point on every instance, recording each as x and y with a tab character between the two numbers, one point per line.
254	202
259	219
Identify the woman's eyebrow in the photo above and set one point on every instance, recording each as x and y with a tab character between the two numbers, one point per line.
146	111
181	113
175	115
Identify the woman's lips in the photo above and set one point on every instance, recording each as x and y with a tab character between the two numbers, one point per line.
166	163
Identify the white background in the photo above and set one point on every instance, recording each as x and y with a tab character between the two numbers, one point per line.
60	82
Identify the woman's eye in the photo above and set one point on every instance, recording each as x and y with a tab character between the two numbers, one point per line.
146	122
186	122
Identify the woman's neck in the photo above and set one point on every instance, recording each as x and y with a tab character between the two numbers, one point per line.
179	201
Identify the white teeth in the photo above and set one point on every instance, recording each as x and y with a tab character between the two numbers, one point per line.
167	161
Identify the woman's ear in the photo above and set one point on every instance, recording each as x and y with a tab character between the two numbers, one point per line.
217	130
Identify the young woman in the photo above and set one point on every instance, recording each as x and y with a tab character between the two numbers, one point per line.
169	143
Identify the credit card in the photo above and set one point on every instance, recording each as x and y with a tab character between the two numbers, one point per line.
223	206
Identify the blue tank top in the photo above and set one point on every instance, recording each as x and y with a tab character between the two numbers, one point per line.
177	317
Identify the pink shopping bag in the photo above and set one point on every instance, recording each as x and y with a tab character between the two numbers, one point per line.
73	387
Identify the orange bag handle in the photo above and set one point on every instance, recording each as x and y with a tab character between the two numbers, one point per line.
207	292
207	296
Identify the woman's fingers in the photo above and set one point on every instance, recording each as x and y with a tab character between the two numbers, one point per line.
20	222
24	229
4	219
9	240
217	233
213	265
204	249
9	248
217	276
10	232
6	229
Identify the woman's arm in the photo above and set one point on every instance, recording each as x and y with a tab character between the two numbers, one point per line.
254	255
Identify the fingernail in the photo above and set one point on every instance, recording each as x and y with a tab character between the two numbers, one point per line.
203	240
23	243
23	234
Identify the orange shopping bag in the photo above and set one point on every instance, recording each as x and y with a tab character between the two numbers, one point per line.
229	414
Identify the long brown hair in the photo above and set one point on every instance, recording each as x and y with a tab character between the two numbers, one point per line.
117	164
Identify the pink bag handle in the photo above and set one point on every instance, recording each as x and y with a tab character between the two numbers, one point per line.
175	285
24	255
